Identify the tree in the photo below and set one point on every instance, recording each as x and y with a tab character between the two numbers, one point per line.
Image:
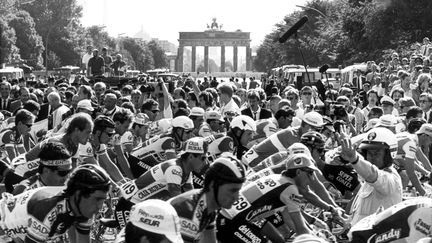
100	38
58	22
28	40
160	60
139	52
8	49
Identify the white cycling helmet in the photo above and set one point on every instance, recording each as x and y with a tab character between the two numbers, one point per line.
161	126
243	123
380	137
183	122
298	148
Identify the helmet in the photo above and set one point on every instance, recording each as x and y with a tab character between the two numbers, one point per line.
314	118
298	161
415	124
88	177
102	122
314	139
380	137
298	148
227	169
243	122
161	126
388	120
183	122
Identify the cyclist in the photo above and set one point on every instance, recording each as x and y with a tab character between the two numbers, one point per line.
47	213
241	130
165	180
197	209
408	221
217	145
281	140
263	198
266	127
77	135
152	221
11	139
161	148
409	149
54	165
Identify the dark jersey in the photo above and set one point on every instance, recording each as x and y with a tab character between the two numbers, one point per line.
194	215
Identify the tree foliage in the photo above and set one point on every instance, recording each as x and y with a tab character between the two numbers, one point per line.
58	22
160	60
28	41
8	49
139	52
347	31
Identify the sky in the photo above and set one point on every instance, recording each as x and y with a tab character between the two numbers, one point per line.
163	19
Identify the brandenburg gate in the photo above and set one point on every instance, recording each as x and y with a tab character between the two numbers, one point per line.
214	36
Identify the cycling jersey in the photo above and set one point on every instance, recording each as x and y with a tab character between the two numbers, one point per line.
151	185
405	222
277	142
40	215
151	153
272	160
194	215
275	169
257	200
10	139
407	148
29	184
343	177
265	128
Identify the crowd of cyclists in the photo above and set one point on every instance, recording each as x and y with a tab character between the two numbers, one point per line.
218	161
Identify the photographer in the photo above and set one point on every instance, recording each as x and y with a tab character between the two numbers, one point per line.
339	112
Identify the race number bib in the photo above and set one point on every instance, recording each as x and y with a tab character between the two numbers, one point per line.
128	189
239	206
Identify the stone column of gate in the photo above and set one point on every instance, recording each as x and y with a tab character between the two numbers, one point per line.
235	58
206	59
222	66
248	58
180	59
193	59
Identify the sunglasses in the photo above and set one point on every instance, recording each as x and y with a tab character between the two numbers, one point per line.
110	134
291	98
306	93
309	172
63	173
187	131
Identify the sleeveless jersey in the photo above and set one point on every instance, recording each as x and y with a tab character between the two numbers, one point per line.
264	197
40	215
151	153
277	142
194	215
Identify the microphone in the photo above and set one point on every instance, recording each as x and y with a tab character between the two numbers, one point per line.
293	29
323	68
